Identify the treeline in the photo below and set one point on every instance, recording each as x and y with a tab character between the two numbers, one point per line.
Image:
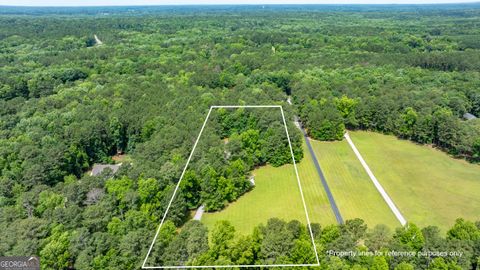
338	246
277	242
392	102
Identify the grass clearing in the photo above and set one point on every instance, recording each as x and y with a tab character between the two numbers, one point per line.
318	206
354	192
276	194
428	186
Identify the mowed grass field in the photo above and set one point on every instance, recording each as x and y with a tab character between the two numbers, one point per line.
428	186
354	192
276	194
318	206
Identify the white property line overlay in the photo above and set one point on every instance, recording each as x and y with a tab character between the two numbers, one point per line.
183	173
377	184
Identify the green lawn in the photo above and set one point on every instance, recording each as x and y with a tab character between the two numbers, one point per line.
318	207
354	192
276	194
428	186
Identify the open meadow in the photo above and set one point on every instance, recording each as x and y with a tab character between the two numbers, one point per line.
428	186
354	192
424	194
276	194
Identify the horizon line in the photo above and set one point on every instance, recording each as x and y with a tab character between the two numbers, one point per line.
246	4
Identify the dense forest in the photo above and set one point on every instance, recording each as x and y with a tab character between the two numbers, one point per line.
143	90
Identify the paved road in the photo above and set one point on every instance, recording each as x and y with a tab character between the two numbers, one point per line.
333	204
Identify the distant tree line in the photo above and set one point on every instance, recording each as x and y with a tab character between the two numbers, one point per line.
388	101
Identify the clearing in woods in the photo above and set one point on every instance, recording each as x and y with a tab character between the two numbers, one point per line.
275	195
428	186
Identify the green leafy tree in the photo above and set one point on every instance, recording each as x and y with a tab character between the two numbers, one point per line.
55	254
221	239
464	230
410	236
277	241
408	121
441	264
302	252
329	234
325	122
347	106
243	251
119	187
404	266
190	243
49	200
379	263
476	150
148	190
356	228
190	187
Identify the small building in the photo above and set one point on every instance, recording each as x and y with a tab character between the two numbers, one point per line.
252	180
469	116
99	168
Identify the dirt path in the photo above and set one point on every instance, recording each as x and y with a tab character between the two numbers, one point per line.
97	40
199	213
377	184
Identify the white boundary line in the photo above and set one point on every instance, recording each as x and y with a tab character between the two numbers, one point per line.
176	188
377	184
183	173
300	185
